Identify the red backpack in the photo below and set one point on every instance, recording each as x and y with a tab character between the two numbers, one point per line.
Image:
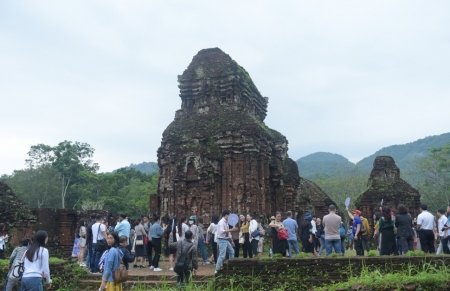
283	234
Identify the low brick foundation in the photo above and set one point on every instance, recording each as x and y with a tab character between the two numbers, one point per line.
305	274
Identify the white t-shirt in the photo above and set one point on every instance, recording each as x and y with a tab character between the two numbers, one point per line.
95	234
38	266
441	223
425	220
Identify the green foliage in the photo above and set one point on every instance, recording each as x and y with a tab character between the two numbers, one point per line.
433	177
323	164
373	253
415	253
144	167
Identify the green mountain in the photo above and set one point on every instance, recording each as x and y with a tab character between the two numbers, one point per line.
328	164
405	154
144	167
322	163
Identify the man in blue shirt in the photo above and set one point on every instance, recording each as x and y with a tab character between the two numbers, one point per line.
156	233
292	227
123	228
356	230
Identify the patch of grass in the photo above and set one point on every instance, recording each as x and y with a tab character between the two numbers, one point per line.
373	253
415	254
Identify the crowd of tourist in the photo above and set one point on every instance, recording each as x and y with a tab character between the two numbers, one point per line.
101	248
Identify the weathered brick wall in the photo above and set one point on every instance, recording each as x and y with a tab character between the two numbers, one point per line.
304	274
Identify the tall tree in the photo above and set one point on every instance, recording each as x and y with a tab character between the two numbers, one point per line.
433	177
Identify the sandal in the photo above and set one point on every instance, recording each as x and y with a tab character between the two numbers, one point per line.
135	266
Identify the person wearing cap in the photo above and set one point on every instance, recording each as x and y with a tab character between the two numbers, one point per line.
193	227
356	230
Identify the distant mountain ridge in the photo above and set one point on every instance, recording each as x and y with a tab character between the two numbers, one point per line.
144	167
327	163
321	163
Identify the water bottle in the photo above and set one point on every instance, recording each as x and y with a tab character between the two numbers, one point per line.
270	253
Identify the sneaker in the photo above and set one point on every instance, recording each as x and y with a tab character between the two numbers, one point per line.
215	272
151	267
157	270
82	265
206	263
170	269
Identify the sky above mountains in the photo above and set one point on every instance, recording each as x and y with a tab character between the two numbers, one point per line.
346	77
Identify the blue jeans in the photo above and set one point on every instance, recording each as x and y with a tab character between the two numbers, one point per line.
31	284
343	245
333	243
224	247
95	259
322	244
202	247
88	255
293	245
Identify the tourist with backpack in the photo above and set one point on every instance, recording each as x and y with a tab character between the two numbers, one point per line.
114	271
187	258
14	261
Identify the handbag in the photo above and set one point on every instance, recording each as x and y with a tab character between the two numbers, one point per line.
101	244
18	270
255	233
283	234
120	274
241	238
139	240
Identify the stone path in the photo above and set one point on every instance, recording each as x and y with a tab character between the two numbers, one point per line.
149	278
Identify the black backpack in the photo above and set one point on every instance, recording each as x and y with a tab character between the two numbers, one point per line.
181	264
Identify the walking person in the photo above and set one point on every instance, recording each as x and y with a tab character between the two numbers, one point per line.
170	253
112	262
36	264
388	243
292	228
306	234
187	249
156	234
224	241
14	260
81	231
254	240
357	230
201	240
405	232
425	225
138	244
211	237
246	246
332	225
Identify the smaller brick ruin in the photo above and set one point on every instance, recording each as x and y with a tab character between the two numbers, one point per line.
22	222
385	184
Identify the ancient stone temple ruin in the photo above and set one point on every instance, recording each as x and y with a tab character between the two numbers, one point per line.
218	153
385	184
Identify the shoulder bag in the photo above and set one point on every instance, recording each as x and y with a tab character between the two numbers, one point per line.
283	234
101	244
120	274
18	270
181	264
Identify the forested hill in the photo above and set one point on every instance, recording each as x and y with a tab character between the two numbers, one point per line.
406	153
144	167
321	163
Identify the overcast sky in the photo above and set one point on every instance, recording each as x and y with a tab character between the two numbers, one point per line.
342	77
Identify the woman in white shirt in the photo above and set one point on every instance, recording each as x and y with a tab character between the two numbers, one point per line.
253	240
36	264
182	228
211	236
